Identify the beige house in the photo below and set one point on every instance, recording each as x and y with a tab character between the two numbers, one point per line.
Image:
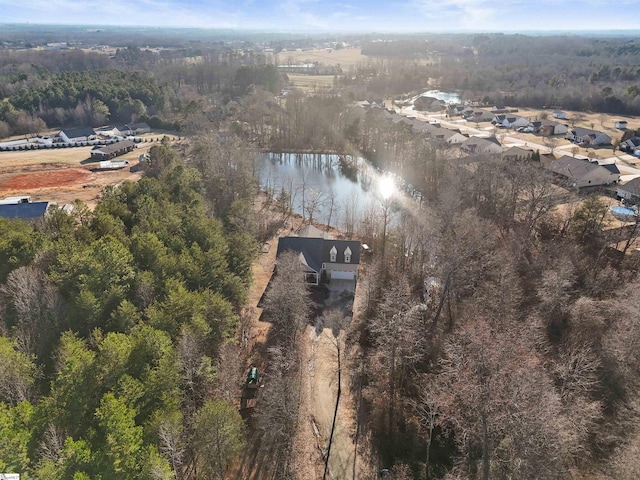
580	173
549	128
479	146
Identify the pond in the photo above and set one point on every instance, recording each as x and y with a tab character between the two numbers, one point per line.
326	184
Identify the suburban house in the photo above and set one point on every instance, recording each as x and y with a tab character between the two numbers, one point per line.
449	136
324	260
630	145
428	103
24	210
457	109
467	112
478	145
514	122
547	159
536	126
549	128
438	133
559	114
499	109
77	134
479	116
580	173
421	127
105	152
621	124
498	119
134	129
108	131
517	153
587	137
630	191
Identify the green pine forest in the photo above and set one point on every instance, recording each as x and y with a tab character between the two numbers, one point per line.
113	324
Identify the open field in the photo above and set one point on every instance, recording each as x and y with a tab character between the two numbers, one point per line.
345	57
311	82
24	158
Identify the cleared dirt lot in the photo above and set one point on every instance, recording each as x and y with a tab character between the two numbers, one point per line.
64	175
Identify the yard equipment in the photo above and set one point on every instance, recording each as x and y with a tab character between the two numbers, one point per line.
252	378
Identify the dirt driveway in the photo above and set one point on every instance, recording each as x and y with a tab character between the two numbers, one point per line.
322	388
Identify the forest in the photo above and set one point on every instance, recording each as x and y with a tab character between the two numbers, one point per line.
575	72
121	328
115	324
522	362
44	89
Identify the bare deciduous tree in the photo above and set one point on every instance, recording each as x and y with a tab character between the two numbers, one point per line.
32	305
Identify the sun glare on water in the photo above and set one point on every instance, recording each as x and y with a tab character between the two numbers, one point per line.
386	187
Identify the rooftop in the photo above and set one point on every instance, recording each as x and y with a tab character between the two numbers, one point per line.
24	211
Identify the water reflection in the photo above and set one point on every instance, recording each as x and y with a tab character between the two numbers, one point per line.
326	183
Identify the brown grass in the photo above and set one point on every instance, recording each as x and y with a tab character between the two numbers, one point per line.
345	57
45	156
311	82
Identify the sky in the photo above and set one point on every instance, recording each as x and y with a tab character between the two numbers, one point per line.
314	16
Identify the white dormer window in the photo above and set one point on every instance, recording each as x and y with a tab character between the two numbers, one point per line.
333	252
347	255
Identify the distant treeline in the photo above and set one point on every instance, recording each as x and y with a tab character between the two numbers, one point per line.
40	89
575	72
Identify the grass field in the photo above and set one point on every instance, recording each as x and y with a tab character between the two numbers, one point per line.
345	57
311	82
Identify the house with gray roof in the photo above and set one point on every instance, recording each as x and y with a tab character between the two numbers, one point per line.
630	145
517	153
452	137
549	128
24	210
105	152
479	146
630	191
579	173
71	135
135	128
588	137
324	259
479	116
511	121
